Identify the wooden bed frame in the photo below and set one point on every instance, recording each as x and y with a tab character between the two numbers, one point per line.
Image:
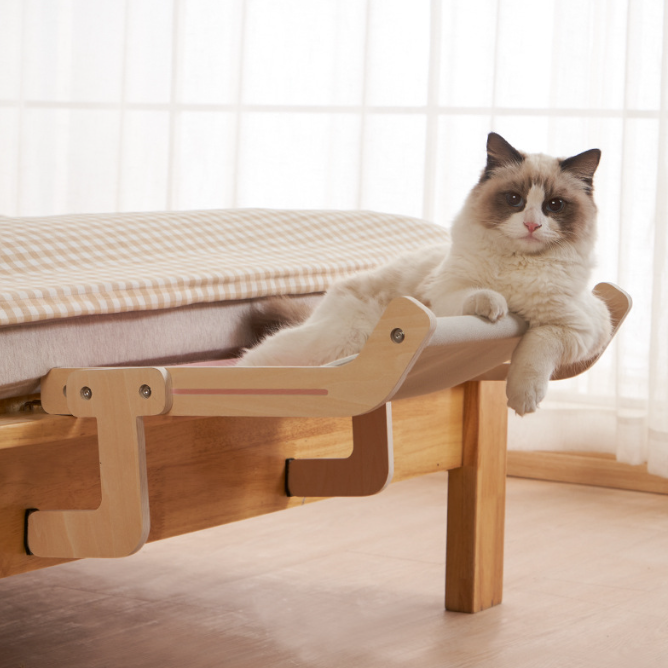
203	446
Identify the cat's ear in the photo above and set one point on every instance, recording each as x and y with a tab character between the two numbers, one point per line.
499	153
583	165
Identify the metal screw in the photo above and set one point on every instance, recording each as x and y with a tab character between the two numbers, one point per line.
145	391
397	335
86	393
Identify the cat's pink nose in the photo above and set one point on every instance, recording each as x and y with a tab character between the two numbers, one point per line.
532	227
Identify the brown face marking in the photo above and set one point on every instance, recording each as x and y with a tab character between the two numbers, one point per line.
491	207
579	210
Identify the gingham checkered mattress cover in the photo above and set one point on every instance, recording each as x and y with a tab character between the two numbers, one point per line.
145	288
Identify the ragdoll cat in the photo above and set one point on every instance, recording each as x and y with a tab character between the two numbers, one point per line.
522	242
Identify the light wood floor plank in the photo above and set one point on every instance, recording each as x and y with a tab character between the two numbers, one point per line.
358	582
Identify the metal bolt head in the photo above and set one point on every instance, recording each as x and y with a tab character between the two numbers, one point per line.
397	335
145	391
86	393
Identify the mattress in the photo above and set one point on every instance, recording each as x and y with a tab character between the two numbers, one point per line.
166	288
137	338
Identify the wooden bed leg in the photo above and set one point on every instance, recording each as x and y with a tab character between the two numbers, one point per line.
367	471
476	503
118	398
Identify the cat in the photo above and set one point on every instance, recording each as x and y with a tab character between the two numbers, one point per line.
523	242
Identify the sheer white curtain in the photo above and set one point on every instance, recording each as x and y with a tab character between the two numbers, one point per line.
118	105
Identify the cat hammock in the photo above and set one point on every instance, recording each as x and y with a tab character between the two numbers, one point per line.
93	293
409	353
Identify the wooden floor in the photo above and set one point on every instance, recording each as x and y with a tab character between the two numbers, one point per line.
359	583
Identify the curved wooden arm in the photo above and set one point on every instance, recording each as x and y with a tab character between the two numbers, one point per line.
619	304
358	387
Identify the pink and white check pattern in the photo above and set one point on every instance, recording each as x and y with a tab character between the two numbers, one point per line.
64	266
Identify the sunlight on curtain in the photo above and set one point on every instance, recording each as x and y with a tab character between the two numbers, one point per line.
122	105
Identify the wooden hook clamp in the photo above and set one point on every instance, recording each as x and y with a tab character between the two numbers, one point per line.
119	399
368	470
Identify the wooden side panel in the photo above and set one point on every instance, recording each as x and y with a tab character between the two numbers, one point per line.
476	503
202	472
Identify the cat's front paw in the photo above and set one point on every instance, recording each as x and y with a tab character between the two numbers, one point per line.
525	389
487	303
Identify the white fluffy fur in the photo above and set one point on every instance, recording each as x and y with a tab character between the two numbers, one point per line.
489	270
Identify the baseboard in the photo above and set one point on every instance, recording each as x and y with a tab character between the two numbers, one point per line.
584	468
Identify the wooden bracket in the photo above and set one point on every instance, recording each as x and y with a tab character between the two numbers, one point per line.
118	398
367	471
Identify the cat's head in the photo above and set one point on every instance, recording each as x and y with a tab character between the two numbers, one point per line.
534	202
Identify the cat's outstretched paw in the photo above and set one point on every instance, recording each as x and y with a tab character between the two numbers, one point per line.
487	303
525	390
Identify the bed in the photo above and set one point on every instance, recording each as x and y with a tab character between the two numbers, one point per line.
122	419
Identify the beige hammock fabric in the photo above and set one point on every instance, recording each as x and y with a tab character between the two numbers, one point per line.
65	266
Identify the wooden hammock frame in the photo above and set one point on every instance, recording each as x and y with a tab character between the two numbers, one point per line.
74	488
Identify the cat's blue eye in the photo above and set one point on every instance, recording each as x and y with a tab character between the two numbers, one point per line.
555	205
514	199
